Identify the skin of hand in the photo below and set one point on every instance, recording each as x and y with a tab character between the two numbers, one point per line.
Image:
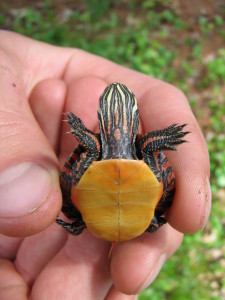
39	260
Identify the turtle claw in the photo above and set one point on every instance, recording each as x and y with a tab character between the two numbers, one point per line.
70	117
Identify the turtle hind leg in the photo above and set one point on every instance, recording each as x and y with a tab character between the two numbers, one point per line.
74	228
164	174
156	223
164	204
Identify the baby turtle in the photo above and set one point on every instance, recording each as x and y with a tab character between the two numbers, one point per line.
118	183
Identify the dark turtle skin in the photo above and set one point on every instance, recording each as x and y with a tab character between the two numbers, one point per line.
118	139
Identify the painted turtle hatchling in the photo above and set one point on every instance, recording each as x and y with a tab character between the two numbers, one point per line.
118	183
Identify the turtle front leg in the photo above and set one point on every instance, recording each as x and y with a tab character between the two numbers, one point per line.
159	140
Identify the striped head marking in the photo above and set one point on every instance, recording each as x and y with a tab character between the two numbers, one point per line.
118	121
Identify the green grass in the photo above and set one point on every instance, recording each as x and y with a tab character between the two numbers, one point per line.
145	37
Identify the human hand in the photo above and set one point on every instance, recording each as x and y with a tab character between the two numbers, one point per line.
39	82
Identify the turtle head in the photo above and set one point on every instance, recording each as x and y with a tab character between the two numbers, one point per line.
118	121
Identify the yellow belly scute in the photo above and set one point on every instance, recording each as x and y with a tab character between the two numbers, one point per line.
117	198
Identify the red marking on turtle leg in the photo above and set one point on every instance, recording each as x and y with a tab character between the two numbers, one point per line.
150	140
170	176
71	160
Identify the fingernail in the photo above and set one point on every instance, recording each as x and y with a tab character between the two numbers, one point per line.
208	203
154	272
23	188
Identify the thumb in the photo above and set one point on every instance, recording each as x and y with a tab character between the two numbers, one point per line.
30	196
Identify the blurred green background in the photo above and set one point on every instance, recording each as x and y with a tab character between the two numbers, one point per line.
182	42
